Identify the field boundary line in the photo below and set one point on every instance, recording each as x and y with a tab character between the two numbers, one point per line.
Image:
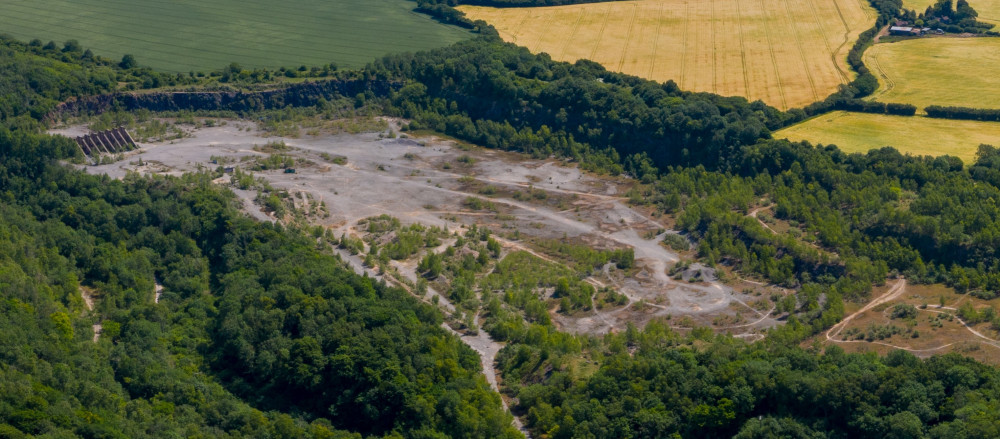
656	41
774	59
743	52
802	53
628	37
600	35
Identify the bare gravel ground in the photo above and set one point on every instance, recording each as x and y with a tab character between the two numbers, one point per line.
428	179
418	180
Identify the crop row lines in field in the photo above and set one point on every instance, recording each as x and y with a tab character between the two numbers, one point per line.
687	27
826	41
263	15
132	32
774	59
145	25
118	46
521	26
801	50
889	84
743	52
711	45
182	35
201	53
847	38
572	36
870	13
628	38
266	18
715	52
600	35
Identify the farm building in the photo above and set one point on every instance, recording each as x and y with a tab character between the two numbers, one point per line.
904	31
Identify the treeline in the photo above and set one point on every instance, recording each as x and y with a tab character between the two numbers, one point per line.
865	83
501	96
31	85
863	106
966	113
36	77
512	3
90	70
960	18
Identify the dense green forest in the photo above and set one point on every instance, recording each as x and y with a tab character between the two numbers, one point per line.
502	96
955	17
657	383
260	331
251	313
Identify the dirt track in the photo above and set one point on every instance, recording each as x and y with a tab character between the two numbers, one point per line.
893	293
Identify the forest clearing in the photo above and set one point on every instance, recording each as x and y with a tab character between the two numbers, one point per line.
788	54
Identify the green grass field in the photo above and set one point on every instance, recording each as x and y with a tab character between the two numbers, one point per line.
958	72
186	35
859	132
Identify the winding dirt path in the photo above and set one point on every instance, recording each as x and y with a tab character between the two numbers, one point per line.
893	293
88	302
481	342
890	295
989	341
753	214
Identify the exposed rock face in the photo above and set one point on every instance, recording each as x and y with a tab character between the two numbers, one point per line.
297	95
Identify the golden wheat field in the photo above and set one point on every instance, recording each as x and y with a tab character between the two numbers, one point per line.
989	10
860	132
788	53
959	72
